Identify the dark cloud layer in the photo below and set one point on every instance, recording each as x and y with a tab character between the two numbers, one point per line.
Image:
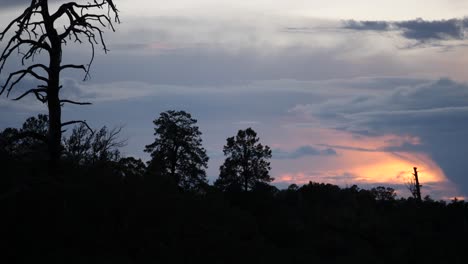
301	152
9	3
13	3
435	112
405	147
418	29
367	25
21	4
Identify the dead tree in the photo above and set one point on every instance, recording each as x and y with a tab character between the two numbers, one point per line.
38	31
414	186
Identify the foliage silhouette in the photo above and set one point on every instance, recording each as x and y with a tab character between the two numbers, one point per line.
246	164
177	151
117	211
29	141
382	193
39	31
131	168
85	146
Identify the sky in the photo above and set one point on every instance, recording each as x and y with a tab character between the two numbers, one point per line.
344	91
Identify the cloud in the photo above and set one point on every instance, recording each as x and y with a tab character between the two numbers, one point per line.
404	147
183	51
9	3
435	112
246	123
434	30
14	3
367	25
419	29
301	152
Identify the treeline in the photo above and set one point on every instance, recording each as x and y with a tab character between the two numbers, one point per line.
105	208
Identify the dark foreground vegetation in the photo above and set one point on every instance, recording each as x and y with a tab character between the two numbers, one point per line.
105	208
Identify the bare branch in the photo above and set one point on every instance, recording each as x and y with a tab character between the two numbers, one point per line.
80	26
68	6
82	20
21	20
16	41
61	11
72	66
22	74
82	67
73	102
37	92
36	46
110	140
78	122
98	5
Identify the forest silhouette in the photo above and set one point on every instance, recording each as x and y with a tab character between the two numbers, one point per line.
72	197
115	209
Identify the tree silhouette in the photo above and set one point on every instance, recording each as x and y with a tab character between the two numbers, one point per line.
414	186
177	151
28	141
38	31
131	168
87	147
83	146
246	164
382	193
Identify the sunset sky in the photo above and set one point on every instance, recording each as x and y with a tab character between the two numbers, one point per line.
343	91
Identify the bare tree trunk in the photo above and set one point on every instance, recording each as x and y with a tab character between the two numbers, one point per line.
55	127
418	186
53	102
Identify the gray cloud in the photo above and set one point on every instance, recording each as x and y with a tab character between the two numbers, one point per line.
435	112
301	152
367	25
439	30
349	148
9	3
418	29
14	3
404	147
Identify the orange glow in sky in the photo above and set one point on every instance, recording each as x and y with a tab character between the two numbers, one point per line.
381	167
364	161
